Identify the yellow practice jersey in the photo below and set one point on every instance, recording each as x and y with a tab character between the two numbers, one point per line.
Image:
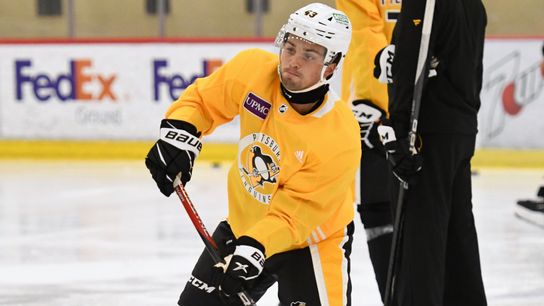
373	22
291	184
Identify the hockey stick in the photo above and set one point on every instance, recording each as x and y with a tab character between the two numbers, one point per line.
209	243
394	256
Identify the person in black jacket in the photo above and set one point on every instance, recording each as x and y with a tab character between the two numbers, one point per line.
439	257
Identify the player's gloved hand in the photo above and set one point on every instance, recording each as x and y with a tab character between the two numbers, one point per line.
404	162
245	264
383	61
368	115
173	154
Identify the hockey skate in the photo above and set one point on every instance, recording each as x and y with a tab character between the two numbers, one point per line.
532	210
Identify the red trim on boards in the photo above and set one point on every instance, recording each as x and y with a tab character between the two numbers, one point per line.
186	40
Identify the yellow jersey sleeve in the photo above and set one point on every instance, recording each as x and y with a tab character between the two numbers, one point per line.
211	101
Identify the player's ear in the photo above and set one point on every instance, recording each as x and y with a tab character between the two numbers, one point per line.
329	70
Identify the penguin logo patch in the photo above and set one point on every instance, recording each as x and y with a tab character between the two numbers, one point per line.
258	165
298	304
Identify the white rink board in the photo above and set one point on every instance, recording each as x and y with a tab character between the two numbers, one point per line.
31	106
512	94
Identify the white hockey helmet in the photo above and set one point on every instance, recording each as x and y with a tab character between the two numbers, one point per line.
322	25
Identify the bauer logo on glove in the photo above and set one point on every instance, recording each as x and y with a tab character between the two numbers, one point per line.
173	154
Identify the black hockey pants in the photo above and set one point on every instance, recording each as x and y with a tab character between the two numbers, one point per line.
440	263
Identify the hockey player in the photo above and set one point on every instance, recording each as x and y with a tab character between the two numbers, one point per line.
373	22
290	189
439	258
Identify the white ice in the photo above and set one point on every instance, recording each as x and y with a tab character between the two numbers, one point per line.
100	233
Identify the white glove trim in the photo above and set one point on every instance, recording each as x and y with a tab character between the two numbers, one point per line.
386	64
253	255
365	113
181	139
387	134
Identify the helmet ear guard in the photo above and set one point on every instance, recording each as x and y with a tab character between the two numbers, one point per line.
336	60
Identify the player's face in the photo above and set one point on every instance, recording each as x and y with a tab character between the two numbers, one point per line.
301	63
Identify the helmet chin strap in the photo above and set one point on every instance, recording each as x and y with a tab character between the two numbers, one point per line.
322	81
312	94
307	97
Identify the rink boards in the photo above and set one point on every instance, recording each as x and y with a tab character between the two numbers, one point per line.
105	99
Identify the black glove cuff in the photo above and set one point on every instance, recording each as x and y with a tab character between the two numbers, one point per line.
246	240
181	125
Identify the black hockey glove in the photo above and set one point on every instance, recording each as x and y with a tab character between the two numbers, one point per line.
173	154
241	267
383	63
368	115
405	164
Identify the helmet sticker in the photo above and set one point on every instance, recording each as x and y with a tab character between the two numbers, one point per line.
341	19
310	13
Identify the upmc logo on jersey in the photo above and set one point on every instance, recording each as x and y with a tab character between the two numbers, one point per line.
175	83
79	83
257	106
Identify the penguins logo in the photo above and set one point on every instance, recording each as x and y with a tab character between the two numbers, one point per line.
258	160
263	168
298	304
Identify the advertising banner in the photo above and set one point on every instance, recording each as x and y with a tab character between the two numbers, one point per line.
102	91
120	90
512	94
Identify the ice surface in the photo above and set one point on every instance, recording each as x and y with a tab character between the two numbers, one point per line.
100	233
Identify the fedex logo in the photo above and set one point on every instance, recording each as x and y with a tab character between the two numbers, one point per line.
78	84
176	83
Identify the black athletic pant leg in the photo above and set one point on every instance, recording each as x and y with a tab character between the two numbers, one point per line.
438	217
463	282
420	279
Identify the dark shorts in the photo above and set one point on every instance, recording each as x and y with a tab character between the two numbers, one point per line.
315	275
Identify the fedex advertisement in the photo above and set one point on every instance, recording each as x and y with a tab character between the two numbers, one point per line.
120	91
102	91
72	85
